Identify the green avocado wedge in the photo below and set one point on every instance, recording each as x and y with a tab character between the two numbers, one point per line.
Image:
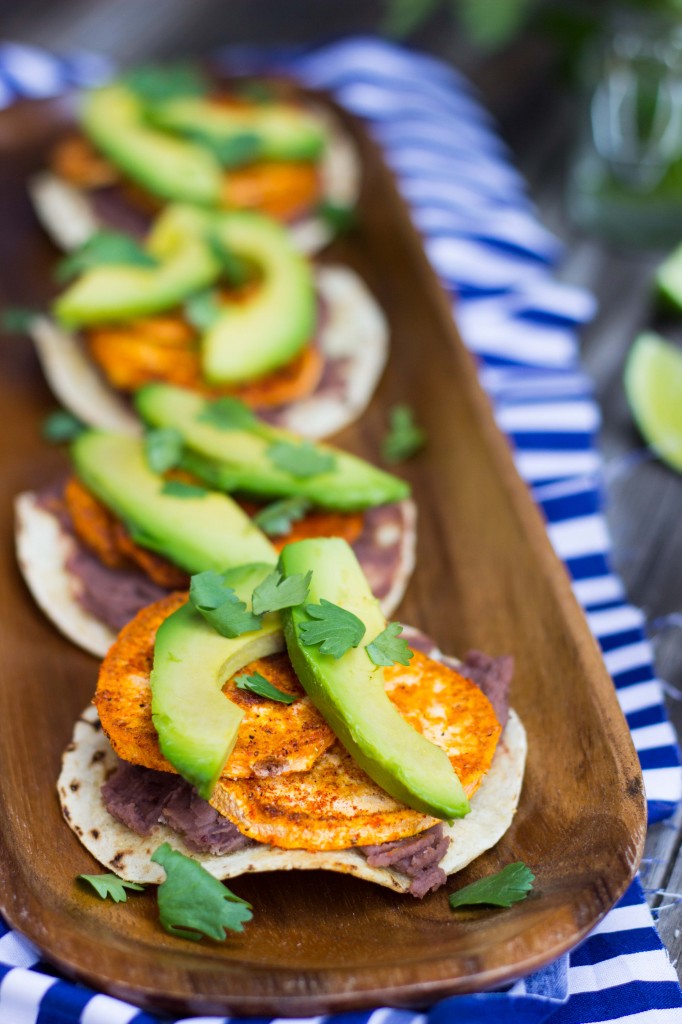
196	724
113	118
234	459
349	691
194	528
258	336
186	261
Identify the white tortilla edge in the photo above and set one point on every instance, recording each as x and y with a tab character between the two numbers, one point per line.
354	331
88	759
44	547
68	214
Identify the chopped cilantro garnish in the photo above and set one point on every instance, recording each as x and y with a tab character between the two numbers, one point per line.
235	151
339	218
227	414
510	885
179	489
155	83
300	460
16	320
193	903
163	449
388	647
404	438
234	268
259	685
106	248
276	592
335	629
256	91
111	885
61	426
220	606
276	519
203	309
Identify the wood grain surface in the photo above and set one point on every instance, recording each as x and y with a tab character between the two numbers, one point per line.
486	577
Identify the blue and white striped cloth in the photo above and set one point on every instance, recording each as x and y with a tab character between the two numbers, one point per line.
490	252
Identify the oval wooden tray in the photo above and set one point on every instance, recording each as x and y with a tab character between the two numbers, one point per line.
486	576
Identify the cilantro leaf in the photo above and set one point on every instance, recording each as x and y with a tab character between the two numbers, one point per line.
163	448
510	885
220	606
233	151
179	489
111	885
300	460
234	268
388	648
404	438
228	414
335	629
340	219
16	320
259	685
105	248
61	426
277	592
256	91
203	309
193	903
155	83
276	519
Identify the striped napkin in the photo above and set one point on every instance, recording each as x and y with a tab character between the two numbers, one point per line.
489	250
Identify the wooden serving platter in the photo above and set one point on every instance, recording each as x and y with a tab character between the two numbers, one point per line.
486	576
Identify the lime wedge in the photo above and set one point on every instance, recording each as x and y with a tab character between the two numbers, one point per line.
653	384
669	279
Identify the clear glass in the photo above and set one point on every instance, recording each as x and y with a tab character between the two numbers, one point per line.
626	182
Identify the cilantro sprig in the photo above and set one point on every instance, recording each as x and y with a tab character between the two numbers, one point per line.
277	518
111	886
234	268
277	592
61	426
338	217
220	606
105	248
510	885
233	151
180	489
388	647
203	309
300	460
227	414
335	630
17	320
404	438
192	903
163	449
156	83
260	686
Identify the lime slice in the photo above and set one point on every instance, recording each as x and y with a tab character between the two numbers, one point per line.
653	384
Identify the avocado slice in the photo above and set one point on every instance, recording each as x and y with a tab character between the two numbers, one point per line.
255	337
238	460
186	264
174	169
197	725
196	531
349	692
279	131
